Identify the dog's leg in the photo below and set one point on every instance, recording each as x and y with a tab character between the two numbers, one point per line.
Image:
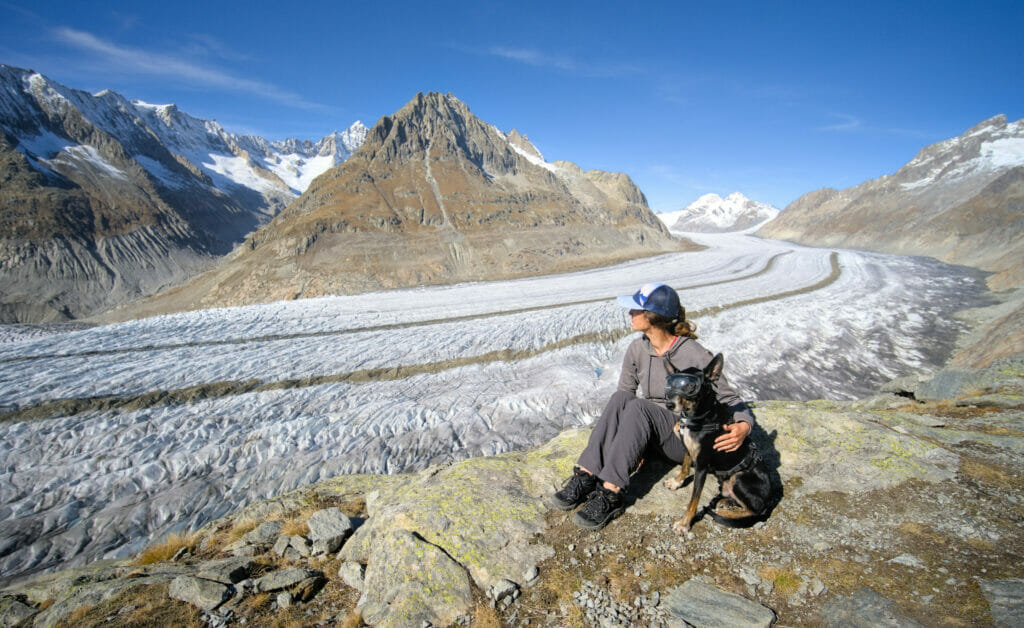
732	506
683	525
680	478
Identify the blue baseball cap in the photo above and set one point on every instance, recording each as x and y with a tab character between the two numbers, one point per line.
653	297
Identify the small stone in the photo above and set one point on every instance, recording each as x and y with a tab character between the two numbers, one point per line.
283	579
302	545
225	571
284	600
817	587
282	545
531	574
909	560
328	529
264	534
245	551
503	589
205	594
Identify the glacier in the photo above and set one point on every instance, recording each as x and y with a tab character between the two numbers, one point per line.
162	424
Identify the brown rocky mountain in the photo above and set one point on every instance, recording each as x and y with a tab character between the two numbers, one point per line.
433	195
104	200
960	201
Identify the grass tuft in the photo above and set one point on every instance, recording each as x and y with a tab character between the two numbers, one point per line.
166	549
783	582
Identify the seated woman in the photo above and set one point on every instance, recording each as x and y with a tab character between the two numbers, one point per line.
630	424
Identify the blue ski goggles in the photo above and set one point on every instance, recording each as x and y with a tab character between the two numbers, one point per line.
685	385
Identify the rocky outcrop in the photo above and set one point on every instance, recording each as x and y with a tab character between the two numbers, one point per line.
434	195
901	509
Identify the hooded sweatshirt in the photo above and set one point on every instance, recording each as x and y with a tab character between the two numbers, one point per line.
644	368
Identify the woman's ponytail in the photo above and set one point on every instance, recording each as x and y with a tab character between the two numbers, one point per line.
684	327
677	326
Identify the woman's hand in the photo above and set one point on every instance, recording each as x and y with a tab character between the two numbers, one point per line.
734	435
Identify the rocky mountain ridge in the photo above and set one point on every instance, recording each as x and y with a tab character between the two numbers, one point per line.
106	199
900	509
713	214
433	195
960	201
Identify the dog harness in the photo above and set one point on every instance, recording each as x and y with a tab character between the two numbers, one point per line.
752	459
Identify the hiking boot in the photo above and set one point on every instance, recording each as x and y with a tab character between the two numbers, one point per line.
602	506
575	490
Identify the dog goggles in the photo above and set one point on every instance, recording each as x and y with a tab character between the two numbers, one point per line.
685	385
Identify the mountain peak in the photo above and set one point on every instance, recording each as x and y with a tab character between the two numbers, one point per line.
711	213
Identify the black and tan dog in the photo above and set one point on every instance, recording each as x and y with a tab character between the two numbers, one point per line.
745	489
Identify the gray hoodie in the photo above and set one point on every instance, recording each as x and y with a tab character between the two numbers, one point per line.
644	368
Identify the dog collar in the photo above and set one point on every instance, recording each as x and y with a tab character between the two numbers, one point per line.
701	424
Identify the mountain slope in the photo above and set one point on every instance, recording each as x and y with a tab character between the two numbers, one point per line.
713	214
434	195
960	200
105	200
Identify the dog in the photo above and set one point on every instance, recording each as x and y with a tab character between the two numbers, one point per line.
744	486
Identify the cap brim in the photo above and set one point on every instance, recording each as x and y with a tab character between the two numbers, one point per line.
628	303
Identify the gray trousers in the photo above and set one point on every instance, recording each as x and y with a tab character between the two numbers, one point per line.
628	427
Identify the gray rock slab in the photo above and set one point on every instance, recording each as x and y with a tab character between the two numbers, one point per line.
200	592
13	612
863	609
1005	600
302	545
999	401
284	578
328	529
410	582
701	604
227	570
90	595
264	534
282	544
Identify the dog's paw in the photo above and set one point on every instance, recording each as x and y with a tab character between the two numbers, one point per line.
674	483
681	527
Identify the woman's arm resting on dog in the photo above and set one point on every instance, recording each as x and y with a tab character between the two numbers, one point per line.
734	435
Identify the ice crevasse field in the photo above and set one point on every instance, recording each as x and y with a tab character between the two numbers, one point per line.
294	392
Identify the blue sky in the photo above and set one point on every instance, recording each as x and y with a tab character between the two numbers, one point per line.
772	99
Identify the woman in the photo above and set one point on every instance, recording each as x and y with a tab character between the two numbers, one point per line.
630	424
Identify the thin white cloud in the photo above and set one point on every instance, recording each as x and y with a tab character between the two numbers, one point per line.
533	57
844	123
565	63
143	62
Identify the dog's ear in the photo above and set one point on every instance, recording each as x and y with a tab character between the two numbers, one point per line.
714	368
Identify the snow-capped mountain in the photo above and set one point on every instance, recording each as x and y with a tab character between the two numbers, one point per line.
433	195
959	200
713	214
108	199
